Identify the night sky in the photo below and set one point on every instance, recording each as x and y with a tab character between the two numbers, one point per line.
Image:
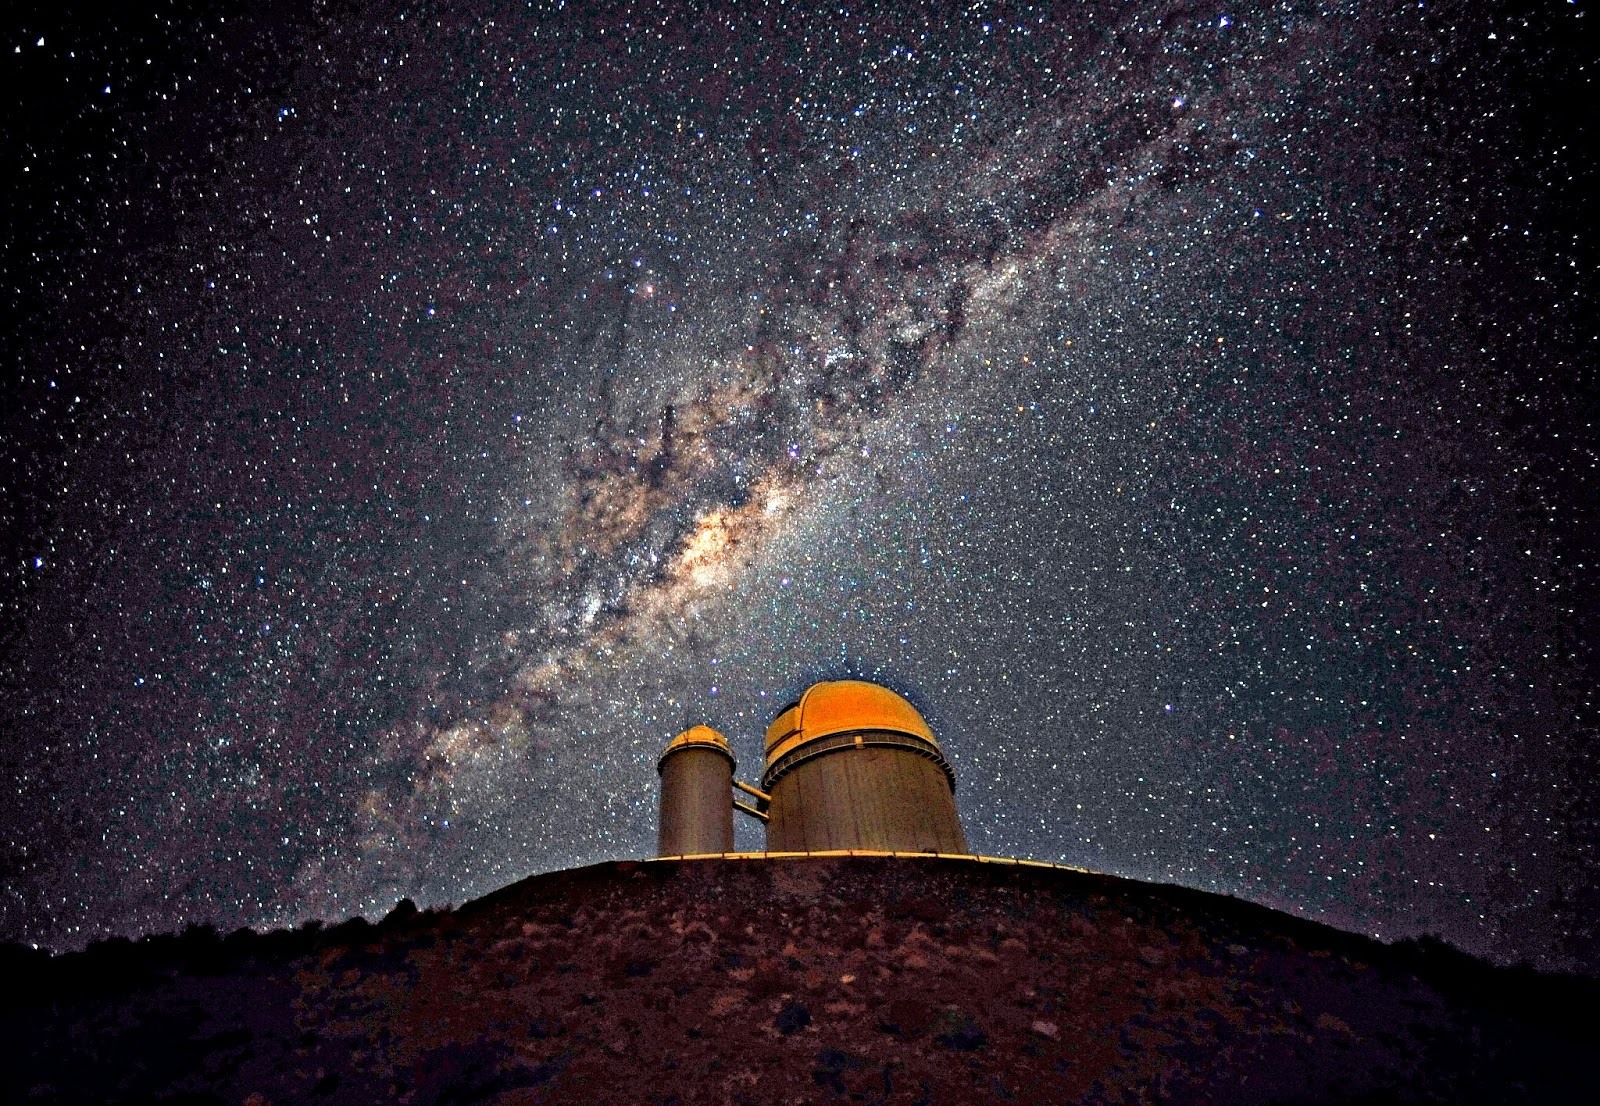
416	414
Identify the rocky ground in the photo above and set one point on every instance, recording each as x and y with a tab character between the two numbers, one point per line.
906	980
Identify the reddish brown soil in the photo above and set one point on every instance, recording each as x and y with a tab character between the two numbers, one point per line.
802	980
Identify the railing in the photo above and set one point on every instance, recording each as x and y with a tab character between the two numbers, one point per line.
1006	860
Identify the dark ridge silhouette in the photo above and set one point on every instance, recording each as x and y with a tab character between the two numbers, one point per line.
820	979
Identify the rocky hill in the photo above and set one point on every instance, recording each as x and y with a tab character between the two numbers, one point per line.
906	980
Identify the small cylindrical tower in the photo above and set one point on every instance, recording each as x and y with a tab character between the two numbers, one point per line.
696	794
852	765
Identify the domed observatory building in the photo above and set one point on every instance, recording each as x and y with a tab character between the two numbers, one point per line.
696	778
850	765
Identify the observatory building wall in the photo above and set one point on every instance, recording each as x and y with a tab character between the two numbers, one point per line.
877	797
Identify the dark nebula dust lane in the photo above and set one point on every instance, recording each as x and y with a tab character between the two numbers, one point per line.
420	413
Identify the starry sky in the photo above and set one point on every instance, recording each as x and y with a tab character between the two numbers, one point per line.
417	413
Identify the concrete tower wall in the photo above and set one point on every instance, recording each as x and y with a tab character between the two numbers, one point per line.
867	797
696	801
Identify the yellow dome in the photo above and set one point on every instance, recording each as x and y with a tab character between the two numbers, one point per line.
696	736
785	724
842	706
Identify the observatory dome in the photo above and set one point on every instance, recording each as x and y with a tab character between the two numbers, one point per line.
696	775
841	710
842	706
852	765
695	737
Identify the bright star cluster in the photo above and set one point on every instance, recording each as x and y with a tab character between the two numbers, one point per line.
420	413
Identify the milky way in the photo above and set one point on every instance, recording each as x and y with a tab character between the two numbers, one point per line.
422	413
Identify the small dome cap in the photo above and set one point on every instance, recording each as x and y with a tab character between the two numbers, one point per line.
701	737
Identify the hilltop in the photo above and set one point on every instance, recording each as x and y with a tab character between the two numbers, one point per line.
820	979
